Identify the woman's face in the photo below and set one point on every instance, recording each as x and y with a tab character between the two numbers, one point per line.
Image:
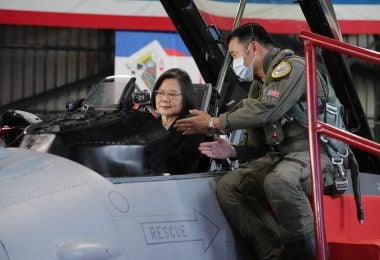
169	98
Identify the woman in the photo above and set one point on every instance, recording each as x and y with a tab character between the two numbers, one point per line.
173	97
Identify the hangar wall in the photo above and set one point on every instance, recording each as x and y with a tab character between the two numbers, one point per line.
42	67
366	78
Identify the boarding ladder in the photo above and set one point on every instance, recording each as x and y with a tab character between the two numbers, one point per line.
316	127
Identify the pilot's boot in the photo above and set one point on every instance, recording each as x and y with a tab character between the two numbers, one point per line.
303	249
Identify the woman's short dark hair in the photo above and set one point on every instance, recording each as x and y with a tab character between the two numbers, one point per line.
251	32
188	98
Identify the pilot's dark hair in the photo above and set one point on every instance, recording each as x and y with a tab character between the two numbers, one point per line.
188	97
251	32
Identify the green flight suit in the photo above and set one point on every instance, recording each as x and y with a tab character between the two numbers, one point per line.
283	183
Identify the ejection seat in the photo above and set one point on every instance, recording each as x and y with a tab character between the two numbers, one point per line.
203	94
206	98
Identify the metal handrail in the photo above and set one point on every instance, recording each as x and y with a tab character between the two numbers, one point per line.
223	70
315	127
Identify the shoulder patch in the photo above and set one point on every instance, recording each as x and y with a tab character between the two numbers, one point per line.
281	70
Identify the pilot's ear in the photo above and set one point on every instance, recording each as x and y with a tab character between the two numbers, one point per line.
253	45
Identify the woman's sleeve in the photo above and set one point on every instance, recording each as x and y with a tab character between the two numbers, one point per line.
185	157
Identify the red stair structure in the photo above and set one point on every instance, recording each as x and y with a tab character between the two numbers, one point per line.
335	218
346	237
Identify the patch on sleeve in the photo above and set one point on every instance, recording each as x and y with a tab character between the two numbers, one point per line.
281	70
273	93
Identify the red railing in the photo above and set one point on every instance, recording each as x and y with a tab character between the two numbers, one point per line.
316	127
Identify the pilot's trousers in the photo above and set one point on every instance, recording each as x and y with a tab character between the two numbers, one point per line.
268	205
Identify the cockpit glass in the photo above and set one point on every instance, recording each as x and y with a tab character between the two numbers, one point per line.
107	94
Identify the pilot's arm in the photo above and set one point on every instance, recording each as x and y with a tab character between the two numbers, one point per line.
277	98
250	147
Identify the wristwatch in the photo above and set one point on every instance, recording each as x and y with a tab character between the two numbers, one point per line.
211	127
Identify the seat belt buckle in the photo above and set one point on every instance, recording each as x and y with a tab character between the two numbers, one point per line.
338	162
331	109
341	184
286	119
323	139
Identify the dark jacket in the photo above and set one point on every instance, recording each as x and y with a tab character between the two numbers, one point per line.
183	152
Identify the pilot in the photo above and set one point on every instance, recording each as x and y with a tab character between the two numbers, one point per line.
283	229
173	97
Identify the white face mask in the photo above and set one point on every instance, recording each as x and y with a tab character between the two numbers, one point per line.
243	72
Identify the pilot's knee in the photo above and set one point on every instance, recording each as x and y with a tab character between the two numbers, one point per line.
224	184
227	185
277	185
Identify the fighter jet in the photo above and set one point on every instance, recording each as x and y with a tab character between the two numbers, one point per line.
91	184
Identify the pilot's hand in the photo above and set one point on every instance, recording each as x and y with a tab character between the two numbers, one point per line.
219	149
197	123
